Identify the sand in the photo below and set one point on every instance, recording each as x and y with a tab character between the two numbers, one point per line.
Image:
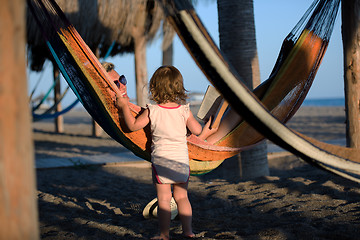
297	201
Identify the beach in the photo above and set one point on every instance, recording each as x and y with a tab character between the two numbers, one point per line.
296	201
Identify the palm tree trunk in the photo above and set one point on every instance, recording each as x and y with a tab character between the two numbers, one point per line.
168	55
238	42
18	206
350	35
167	46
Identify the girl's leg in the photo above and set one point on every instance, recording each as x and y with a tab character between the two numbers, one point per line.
184	207
164	212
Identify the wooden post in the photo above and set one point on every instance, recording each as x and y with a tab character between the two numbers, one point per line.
139	35
96	129
351	34
59	121
18	205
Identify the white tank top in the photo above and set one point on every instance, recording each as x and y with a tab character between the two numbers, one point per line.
169	152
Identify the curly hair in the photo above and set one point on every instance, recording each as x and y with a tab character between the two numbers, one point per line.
108	66
166	85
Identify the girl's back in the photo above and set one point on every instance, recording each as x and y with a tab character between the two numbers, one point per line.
169	153
168	124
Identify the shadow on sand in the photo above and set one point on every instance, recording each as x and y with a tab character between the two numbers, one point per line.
93	202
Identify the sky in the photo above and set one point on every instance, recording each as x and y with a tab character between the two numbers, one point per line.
273	21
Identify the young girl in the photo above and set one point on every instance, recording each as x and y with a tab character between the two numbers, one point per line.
169	121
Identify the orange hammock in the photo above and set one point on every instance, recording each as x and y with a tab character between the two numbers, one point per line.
282	93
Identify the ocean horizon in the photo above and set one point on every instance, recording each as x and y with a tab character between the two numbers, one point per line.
314	102
197	97
324	102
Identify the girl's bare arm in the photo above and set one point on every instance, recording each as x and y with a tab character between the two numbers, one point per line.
132	123
193	125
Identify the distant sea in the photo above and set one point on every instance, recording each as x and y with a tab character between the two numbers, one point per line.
324	102
317	102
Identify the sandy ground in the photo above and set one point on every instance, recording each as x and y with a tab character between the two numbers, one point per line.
297	201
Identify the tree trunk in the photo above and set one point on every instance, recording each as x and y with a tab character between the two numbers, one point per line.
238	42
18	205
59	121
168	55
167	46
141	71
140	55
351	35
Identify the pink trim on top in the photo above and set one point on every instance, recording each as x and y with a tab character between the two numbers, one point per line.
169	107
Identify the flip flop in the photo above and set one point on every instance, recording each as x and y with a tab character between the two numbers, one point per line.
151	209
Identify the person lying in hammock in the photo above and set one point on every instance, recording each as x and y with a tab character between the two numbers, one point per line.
120	81
210	135
169	120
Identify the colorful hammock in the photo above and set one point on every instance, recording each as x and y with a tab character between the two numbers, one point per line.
88	80
50	112
85	75
314	32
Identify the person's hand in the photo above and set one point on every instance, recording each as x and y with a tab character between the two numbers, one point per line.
121	100
111	93
207	130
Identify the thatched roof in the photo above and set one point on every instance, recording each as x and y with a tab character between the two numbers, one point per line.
100	23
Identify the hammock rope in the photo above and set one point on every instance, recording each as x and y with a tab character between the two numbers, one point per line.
36	85
46	95
47	115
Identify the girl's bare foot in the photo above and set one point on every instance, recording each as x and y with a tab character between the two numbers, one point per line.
191	235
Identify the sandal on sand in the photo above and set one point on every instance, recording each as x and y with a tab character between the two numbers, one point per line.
147	212
151	209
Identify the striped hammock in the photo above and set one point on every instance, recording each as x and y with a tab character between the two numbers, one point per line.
267	108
